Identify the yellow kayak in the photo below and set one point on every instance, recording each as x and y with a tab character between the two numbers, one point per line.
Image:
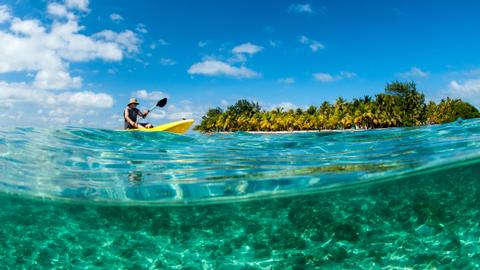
179	127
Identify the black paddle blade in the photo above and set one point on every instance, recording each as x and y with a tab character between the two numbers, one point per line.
162	102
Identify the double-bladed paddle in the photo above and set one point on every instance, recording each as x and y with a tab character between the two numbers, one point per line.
161	103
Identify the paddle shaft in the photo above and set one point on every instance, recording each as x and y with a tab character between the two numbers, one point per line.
161	103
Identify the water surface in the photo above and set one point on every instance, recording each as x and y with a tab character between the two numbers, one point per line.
88	198
162	168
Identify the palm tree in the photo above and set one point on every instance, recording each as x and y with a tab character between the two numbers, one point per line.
400	105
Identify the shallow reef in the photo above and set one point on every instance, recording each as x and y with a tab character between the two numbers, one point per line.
426	221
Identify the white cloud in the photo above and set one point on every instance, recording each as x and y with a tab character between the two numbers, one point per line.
414	72
167	62
312	44
27	46
323	77
126	40
59	10
348	74
4	14
179	114
301	8
56	79
71	46
304	39
153	95
202	44
24	93
141	28
237	58
247	48
287	80
116	17
8	105
315	46
209	57
327	77
42	52
284	105
224	103
86	99
158	114
274	43
81	5
219	68
91	112
27	27
467	87
35	107
163	42
67	9
173	112
469	90
59	116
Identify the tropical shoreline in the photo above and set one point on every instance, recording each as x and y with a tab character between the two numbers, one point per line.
294	131
315	130
400	105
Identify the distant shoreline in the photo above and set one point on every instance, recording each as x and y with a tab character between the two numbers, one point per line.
315	131
401	105
294	131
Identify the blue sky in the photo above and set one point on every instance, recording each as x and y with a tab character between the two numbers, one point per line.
77	62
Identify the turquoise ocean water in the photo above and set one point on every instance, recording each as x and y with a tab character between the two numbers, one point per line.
378	199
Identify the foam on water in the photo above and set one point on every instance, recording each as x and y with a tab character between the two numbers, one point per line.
159	168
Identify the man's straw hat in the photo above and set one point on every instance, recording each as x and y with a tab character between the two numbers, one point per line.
133	101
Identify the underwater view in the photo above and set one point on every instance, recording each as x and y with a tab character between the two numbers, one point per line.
242	135
385	198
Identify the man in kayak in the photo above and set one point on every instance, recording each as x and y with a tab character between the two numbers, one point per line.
130	115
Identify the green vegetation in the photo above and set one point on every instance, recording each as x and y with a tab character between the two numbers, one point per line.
401	105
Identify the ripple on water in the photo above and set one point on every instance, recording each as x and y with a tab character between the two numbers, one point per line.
162	168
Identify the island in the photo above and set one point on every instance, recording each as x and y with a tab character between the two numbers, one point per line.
401	105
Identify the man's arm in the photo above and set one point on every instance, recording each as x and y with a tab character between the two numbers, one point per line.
133	124
143	114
